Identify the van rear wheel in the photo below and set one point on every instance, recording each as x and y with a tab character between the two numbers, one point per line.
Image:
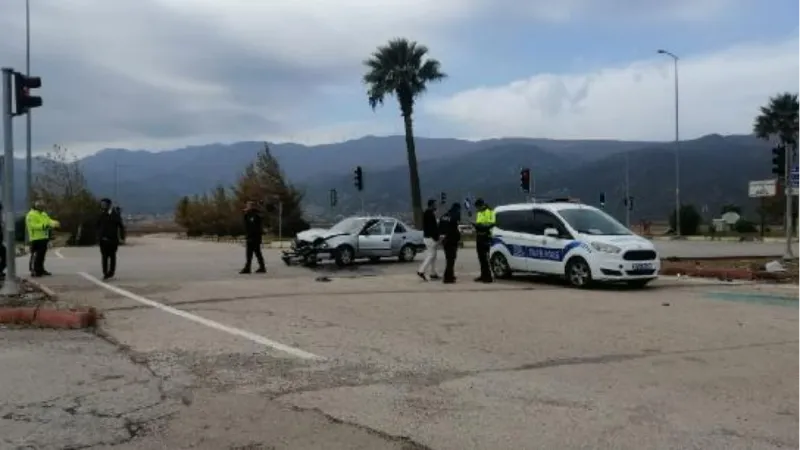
500	267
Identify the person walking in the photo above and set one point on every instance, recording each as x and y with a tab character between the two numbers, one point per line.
451	237
253	229
430	234
39	225
484	222
110	232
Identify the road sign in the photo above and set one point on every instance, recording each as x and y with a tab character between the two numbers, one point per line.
794	177
762	188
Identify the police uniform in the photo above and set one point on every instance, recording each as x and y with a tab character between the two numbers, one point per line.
451	236
484	222
38	225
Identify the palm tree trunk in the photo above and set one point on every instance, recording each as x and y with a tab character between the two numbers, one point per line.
413	173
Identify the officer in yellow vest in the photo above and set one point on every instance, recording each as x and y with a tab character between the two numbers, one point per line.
484	222
39	225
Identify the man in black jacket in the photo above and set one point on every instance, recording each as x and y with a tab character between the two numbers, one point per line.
110	232
430	235
451	236
253	229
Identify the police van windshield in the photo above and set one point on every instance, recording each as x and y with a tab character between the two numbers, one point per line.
591	221
349	225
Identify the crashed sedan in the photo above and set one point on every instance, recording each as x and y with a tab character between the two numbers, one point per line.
355	238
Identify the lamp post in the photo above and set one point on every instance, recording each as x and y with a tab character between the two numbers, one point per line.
677	147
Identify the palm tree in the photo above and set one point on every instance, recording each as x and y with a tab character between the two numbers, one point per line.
778	123
401	68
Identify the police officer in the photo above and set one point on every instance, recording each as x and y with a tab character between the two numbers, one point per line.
39	225
253	228
484	222
110	232
451	236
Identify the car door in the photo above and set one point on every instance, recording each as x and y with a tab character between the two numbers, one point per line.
399	237
376	239
513	231
549	256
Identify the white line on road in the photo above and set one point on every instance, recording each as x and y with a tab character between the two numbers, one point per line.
203	321
58	253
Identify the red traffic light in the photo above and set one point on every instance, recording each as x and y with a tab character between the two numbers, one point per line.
24	100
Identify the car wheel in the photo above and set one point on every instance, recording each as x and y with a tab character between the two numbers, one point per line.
639	284
344	255
578	273
500	268
407	253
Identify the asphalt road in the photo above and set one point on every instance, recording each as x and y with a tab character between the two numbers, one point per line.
376	359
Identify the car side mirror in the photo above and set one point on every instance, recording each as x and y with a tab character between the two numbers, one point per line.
551	232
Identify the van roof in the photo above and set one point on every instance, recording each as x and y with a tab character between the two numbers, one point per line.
554	206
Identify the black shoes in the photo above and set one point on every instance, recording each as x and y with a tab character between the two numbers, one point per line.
483	280
246	270
422	275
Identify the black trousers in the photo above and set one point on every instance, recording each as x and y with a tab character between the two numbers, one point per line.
2	258
253	248
482	246
38	253
450	253
108	256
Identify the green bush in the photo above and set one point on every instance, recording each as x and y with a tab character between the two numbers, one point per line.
690	220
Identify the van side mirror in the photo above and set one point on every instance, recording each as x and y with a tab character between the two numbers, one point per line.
551	232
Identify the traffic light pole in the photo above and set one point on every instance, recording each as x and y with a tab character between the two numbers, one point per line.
10	286
787	189
28	145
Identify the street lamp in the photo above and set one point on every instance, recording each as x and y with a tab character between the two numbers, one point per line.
677	147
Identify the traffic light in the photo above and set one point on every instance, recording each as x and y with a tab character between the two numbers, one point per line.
334	198
525	179
602	199
778	161
24	100
359	178
628	202
443	199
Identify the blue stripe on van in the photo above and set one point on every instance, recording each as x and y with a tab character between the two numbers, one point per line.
533	252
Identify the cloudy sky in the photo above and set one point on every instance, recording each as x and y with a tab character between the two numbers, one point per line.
160	74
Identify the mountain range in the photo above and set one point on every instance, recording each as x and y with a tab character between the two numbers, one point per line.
714	171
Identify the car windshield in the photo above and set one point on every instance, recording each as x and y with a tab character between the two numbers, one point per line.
349	225
592	221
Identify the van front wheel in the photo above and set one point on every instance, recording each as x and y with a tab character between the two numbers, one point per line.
578	273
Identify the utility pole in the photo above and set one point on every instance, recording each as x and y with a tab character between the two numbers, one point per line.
28	138
627	190
280	224
10	286
677	147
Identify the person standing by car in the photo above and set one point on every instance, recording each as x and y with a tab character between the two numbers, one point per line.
110	232
484	222
253	229
430	233
451	237
39	225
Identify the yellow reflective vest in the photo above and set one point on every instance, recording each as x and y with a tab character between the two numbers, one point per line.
484	222
38	225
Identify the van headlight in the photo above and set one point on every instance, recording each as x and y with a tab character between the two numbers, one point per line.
605	248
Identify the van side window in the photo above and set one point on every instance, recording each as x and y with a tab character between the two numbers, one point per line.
544	219
520	221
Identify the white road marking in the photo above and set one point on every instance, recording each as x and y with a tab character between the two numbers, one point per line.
203	321
58	253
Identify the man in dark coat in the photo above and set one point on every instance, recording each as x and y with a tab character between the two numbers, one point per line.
451	236
253	229
110	232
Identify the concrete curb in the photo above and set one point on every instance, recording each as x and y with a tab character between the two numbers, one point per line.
45	317
51	294
725	273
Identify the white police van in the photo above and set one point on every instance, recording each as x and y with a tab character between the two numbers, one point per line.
577	241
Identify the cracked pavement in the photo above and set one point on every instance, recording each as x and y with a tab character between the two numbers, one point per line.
407	365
